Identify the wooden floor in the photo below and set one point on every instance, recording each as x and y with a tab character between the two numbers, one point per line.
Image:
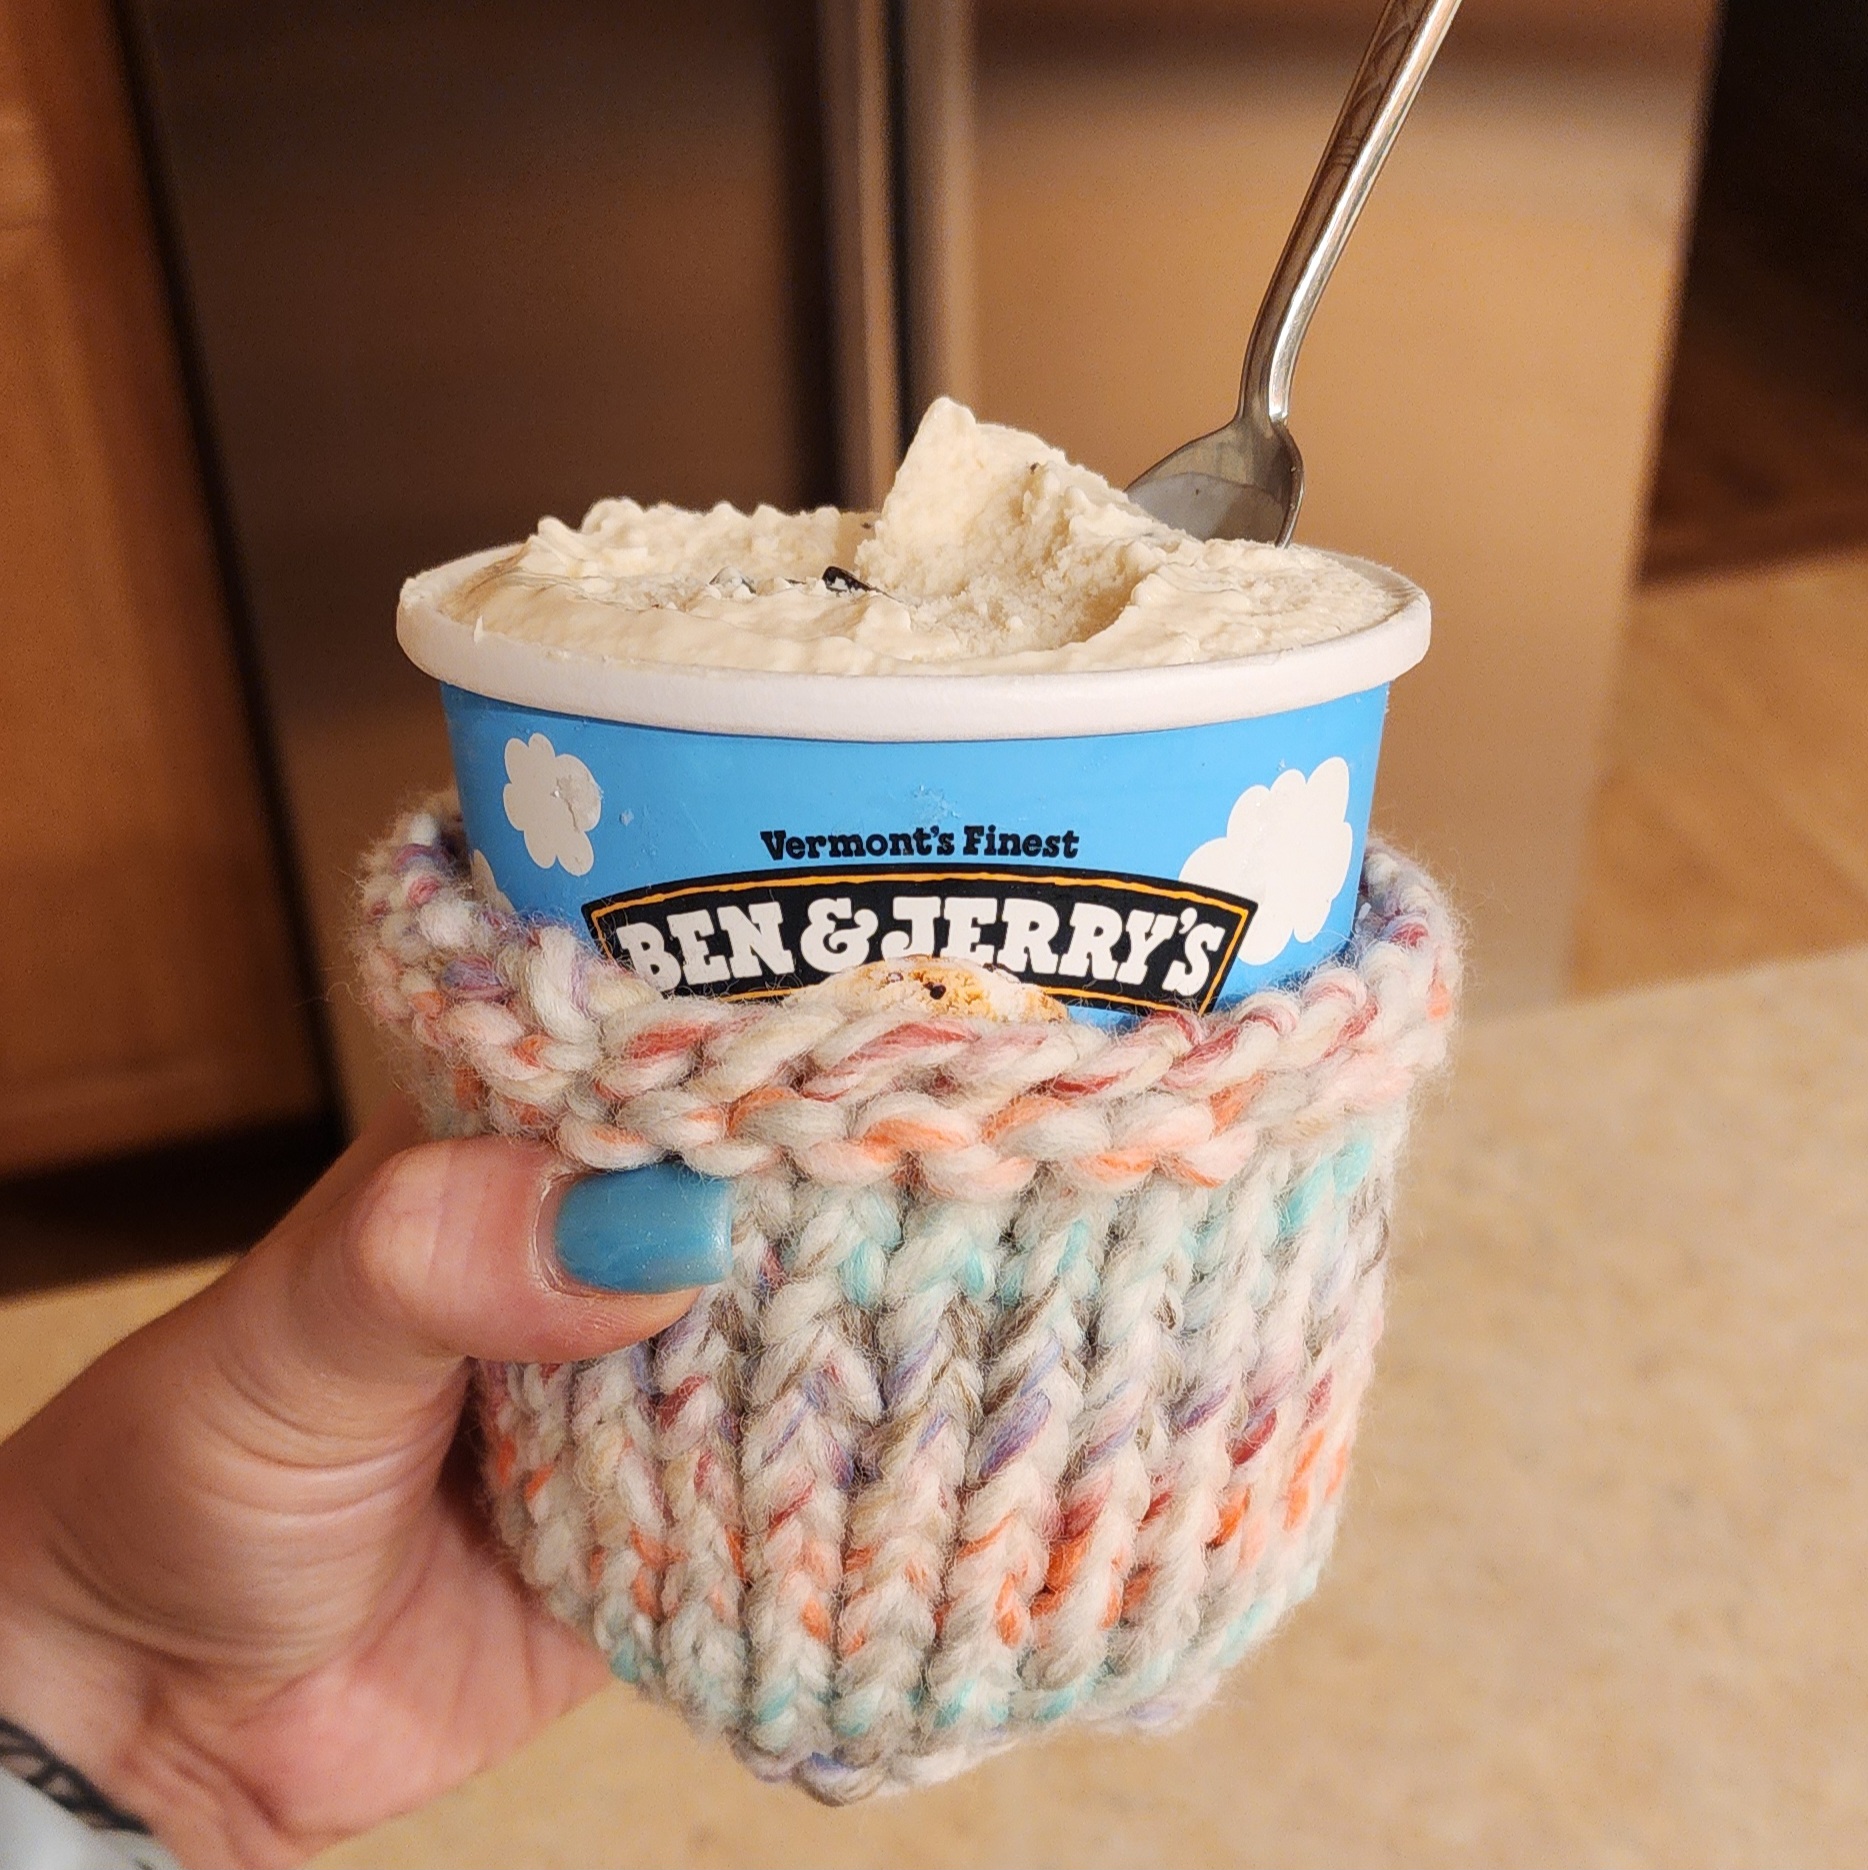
1733	824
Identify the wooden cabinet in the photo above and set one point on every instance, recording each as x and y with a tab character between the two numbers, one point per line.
147	986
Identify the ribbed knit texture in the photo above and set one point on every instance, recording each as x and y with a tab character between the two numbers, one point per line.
1031	1393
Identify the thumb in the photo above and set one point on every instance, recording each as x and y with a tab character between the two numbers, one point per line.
303	1403
392	1272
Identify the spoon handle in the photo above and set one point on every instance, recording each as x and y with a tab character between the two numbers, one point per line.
1406	38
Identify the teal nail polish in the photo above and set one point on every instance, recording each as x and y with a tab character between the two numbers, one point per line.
646	1230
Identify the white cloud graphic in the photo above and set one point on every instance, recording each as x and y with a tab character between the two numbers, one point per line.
1287	848
553	801
486	885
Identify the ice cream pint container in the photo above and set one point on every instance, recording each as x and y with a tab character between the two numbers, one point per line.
1124	839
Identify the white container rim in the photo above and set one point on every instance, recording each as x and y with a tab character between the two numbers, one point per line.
789	705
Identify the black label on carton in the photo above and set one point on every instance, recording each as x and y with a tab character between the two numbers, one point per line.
1118	941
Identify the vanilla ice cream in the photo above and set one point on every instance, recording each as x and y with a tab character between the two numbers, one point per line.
991	552
1008	722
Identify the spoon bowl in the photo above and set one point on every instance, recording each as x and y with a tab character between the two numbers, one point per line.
1235	483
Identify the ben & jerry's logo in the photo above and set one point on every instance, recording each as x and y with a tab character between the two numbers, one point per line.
1106	940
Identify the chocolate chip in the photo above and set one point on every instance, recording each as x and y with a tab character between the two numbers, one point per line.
837	579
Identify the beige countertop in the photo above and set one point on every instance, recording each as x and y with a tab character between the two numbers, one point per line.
1597	1599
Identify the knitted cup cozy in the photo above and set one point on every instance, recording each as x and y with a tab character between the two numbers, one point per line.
1031	1392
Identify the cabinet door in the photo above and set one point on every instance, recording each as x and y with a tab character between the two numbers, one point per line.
147	987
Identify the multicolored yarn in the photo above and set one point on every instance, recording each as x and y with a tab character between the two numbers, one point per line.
1031	1393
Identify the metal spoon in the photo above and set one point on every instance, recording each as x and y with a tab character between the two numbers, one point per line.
1246	481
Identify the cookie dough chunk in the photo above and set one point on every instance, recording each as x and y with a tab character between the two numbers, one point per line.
927	984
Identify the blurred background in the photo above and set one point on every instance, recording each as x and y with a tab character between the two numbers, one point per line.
300	299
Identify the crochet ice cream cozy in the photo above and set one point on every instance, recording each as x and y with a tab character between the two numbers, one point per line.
1031	1393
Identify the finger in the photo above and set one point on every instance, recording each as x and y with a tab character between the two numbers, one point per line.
484	1248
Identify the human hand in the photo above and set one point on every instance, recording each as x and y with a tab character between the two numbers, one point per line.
243	1582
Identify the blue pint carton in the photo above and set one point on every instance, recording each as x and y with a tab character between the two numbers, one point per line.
1124	839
